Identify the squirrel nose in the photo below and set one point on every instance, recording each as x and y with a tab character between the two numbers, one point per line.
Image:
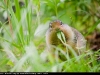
58	30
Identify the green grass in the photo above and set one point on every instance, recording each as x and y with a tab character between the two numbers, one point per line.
24	37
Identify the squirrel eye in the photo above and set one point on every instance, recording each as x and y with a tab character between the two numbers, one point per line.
50	26
61	23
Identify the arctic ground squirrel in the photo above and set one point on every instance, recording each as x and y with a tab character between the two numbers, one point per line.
73	37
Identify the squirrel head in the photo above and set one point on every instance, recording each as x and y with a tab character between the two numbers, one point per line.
55	25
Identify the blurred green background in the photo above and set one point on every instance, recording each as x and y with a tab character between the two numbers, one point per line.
23	24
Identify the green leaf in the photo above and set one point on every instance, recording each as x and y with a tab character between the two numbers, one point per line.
93	27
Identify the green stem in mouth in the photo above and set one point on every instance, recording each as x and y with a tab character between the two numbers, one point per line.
61	36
